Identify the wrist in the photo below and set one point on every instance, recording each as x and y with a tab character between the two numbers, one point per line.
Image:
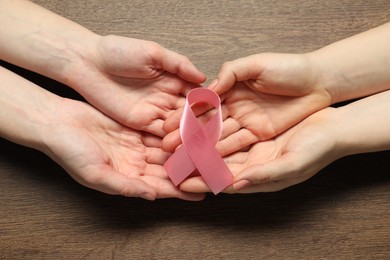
354	67
41	41
364	125
27	111
323	78
341	133
76	55
328	123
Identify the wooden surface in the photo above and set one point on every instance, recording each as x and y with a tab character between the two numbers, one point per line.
341	213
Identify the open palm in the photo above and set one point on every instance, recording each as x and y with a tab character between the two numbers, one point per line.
136	82
250	117
262	96
104	155
292	157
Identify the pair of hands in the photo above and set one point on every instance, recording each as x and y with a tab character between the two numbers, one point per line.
141	85
137	86
264	97
274	137
116	148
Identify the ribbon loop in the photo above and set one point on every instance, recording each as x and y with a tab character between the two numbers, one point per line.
198	149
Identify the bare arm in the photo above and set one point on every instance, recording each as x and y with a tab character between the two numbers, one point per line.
134	81
95	150
25	109
365	125
354	67
42	41
303	150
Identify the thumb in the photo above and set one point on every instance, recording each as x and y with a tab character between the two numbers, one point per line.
268	177
109	181
276	170
238	70
180	65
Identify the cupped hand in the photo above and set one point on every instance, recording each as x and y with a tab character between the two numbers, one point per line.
104	155
269	93
292	157
271	73
262	96
251	116
136	82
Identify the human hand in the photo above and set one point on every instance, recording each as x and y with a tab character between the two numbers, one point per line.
271	93
104	155
292	157
136	82
287	88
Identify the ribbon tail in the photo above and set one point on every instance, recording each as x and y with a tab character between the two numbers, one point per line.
218	177
179	166
209	162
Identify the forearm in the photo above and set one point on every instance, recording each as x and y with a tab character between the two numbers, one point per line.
39	40
25	110
364	125
355	67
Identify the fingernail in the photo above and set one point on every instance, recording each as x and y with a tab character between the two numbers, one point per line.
147	196
213	84
241	184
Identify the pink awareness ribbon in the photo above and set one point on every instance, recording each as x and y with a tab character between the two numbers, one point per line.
198	149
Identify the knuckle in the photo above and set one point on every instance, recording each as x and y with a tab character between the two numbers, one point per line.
93	180
154	49
263	178
127	192
226	65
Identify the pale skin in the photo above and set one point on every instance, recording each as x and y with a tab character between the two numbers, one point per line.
135	82
94	149
100	67
299	153
273	92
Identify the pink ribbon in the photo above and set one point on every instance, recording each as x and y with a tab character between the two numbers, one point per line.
198	149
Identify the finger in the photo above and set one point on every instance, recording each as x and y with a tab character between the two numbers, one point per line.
204	113
171	141
201	108
150	140
236	142
173	121
238	70
179	105
266	187
284	167
230	126
190	196
225	112
237	158
187	87
156	170
156	156
155	127
112	182
180	65
166	189
195	185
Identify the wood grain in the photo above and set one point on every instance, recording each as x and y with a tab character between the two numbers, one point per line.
341	213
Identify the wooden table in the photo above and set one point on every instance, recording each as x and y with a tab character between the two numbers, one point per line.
342	213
